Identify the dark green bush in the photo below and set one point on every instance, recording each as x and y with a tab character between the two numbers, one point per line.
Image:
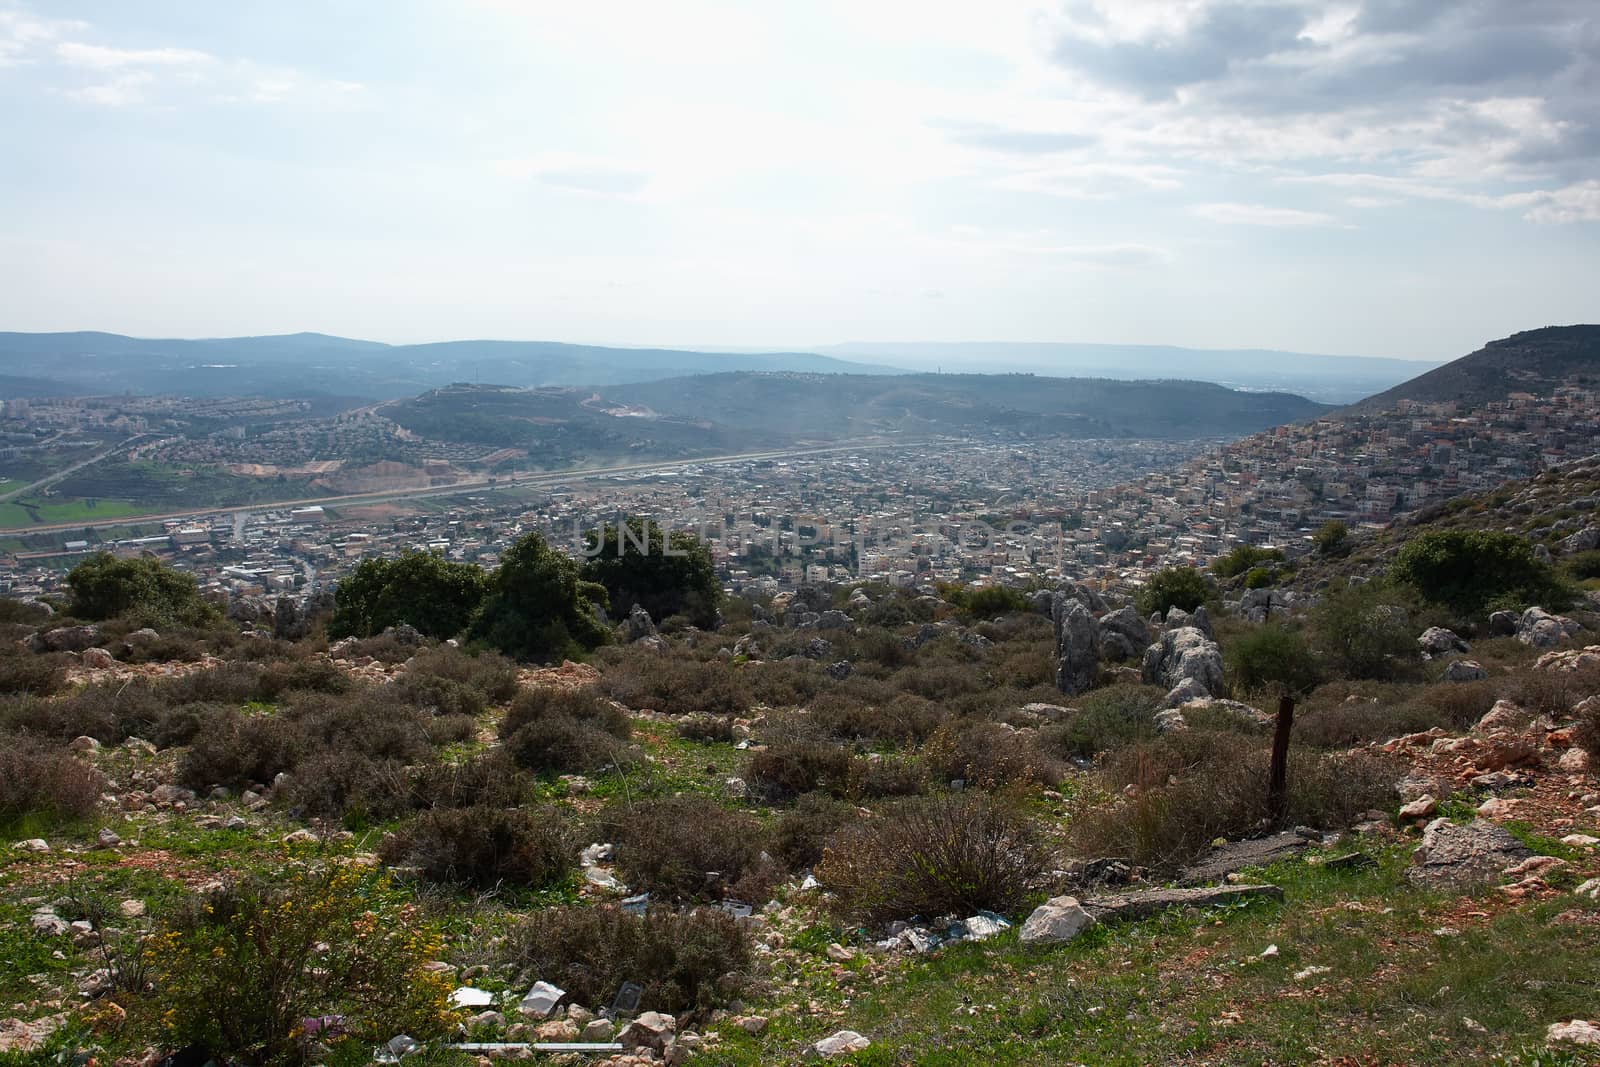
145	589
1184	588
1365	631
433	595
1271	657
1243	559
1467	569
665	573
1105	719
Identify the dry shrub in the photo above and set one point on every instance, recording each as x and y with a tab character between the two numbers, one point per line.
799	834
26	672
941	681
688	848
1551	692
362	724
692	960
1345	714
782	771
933	856
483	847
991	755
784	683
1193	786
451	729
861	710
566	731
239	750
355	788
447	681
706	729
675	685
39	781
491	779
875	776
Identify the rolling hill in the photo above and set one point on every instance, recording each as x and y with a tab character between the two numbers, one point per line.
1534	361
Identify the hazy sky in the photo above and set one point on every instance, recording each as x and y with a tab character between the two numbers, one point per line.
1388	177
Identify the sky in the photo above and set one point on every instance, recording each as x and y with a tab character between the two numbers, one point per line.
1381	177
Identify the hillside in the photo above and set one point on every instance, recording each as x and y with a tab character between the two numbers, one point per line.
817	406
310	363
558	426
1534	361
1330	379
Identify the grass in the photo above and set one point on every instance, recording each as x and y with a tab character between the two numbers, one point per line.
22	514
1194	988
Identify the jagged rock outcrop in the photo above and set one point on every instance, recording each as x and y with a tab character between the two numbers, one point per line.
1123	635
1540	629
1459	856
637	626
65	639
1184	654
1437	641
1077	646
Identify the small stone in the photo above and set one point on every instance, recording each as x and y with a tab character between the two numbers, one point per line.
33	844
1580	840
557	1030
651	1030
1576	1032
1057	920
107	838
299	837
755	1025
1423	807
841	1043
1574	761
1270	952
1310	972
1497	808
597	1030
839	954
84	744
131	909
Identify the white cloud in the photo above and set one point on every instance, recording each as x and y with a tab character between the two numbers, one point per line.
1262	215
98	57
578	173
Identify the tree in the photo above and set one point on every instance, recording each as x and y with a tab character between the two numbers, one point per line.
1272	657
537	606
1244	558
1184	588
421	589
666	574
1467	569
1332	539
106	586
1364	631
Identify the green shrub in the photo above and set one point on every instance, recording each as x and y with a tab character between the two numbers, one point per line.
1467	569
535	607
1364	632
237	971
990	601
691	960
1582	566
1271	657
931	856
433	595
1184	588
26	672
1332	539
1105	719
144	589
1242	559
667	574
484	847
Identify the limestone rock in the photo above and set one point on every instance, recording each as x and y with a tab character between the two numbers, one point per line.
1464	670
841	1043
1184	653
1459	856
652	1030
1077	647
1437	641
1057	920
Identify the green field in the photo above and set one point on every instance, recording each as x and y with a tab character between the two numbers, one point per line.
21	514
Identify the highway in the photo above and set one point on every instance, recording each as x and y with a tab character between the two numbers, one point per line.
51	479
455	489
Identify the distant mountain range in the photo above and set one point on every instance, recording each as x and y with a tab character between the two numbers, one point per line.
303	364
1330	379
1533	361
